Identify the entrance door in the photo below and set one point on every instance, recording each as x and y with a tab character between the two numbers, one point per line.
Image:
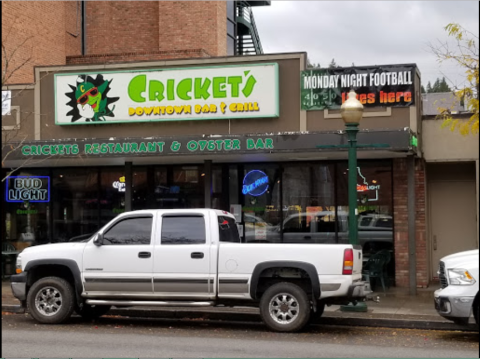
453	219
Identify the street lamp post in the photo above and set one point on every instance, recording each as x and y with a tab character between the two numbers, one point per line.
352	112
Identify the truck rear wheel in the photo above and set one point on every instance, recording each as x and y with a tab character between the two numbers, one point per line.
51	300
285	307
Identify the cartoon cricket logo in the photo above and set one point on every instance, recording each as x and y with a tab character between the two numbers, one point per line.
89	100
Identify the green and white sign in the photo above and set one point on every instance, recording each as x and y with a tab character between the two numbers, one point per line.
206	93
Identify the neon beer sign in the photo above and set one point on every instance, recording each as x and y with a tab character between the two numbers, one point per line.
28	189
255	183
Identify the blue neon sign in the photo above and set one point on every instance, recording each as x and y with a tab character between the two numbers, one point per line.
255	183
32	189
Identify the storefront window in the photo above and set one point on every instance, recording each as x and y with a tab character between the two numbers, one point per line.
309	203
189	180
374	204
162	192
112	193
26	206
75	207
140	192
179	187
261	209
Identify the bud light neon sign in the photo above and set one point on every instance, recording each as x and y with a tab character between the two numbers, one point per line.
255	183
28	189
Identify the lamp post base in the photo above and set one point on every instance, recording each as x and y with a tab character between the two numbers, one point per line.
360	307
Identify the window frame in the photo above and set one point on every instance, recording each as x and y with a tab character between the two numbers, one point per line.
185	215
128	217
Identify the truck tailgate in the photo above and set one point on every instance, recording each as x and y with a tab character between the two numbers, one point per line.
357	259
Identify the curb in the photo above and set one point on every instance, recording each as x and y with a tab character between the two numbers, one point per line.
255	318
17	309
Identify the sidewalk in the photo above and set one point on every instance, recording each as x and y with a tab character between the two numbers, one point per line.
396	309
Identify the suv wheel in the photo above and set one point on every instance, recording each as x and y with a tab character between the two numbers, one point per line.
285	307
51	300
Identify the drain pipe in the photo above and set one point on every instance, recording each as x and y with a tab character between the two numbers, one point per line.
412	252
84	28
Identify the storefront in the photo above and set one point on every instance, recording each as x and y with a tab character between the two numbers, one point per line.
227	133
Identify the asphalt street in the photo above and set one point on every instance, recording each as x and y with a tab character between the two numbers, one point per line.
143	337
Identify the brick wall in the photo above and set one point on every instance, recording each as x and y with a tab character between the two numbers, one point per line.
119	27
114	27
193	25
138	56
50	31
32	30
73	28
400	213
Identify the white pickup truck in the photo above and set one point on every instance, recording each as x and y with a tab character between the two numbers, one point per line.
185	258
458	298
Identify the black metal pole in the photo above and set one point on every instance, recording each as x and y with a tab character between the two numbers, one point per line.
128	186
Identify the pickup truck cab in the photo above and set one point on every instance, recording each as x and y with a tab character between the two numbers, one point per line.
458	297
185	258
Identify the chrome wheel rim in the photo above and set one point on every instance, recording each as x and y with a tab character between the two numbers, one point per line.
284	308
48	301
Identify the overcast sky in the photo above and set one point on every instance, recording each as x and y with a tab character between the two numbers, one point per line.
365	32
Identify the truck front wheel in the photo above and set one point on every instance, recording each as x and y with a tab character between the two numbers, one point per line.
51	300
285	307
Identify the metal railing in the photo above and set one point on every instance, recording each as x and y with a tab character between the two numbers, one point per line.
250	43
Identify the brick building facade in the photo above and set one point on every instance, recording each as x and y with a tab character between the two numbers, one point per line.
154	34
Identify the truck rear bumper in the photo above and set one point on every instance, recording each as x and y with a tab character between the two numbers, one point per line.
357	291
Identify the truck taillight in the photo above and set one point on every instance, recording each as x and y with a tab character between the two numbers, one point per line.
348	261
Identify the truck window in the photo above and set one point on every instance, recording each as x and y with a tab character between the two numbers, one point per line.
228	230
183	230
129	231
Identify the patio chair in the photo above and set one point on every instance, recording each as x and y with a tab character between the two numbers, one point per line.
376	269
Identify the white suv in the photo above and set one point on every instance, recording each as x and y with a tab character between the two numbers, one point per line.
458	297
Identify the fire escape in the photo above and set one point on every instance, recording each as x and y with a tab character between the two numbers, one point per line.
248	40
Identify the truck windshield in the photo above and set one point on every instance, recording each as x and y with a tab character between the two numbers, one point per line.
228	230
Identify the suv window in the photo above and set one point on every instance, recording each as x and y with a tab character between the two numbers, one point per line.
385	222
365	221
183	230
129	231
228	230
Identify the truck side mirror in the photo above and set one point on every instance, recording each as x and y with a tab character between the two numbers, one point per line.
98	241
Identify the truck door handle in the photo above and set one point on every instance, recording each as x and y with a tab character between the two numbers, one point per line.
144	255
434	242
196	255
307	237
